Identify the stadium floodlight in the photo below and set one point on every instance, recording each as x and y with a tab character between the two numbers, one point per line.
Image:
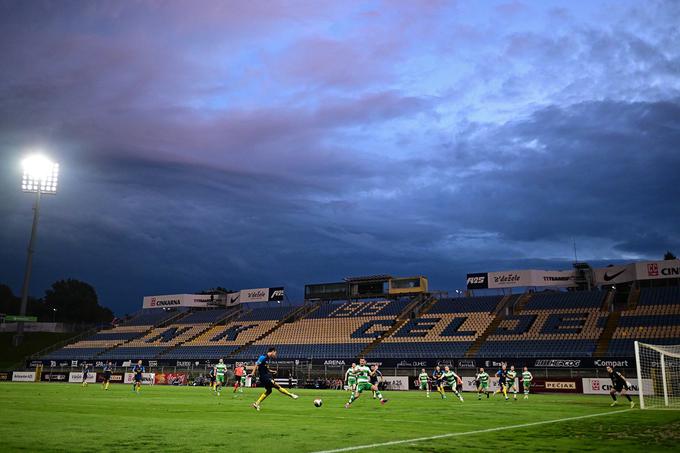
40	177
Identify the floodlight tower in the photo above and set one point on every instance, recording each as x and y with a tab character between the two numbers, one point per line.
40	177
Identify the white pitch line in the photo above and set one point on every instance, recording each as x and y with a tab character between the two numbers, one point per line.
467	433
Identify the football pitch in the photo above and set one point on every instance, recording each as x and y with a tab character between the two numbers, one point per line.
67	417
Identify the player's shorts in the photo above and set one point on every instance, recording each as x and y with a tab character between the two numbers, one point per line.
220	379
361	386
620	387
437	383
483	385
243	380
351	381
107	375
502	383
138	378
526	384
268	384
423	386
212	378
84	376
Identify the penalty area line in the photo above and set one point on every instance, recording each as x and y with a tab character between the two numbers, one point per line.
467	433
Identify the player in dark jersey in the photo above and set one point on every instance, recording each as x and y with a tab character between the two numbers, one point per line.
502	376
437	380
267	378
138	370
375	379
619	385
213	379
86	371
108	368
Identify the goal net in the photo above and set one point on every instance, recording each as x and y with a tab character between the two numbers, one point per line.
658	375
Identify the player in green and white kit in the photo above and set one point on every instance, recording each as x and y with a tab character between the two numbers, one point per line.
527	377
510	381
424	380
482	379
220	370
363	373
451	379
351	377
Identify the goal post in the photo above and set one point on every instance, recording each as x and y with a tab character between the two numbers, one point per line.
658	375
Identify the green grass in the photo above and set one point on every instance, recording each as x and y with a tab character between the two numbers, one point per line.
33	342
67	417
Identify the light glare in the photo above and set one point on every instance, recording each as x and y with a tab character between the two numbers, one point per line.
40	174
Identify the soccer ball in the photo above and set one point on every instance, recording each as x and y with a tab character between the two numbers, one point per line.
318	402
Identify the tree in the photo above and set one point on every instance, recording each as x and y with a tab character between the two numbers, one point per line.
76	301
669	256
9	303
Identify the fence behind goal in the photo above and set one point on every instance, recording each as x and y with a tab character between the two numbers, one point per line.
658	372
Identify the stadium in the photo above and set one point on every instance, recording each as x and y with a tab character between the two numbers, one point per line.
565	327
321	226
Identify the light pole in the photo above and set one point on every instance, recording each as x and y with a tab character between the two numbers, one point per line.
54	315
40	177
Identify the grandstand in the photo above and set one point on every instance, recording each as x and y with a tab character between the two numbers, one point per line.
551	323
334	330
655	319
447	329
575	323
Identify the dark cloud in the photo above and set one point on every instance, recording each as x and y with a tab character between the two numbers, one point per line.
275	143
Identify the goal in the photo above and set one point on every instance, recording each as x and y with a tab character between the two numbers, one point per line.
658	375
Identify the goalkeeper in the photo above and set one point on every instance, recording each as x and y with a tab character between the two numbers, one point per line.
619	385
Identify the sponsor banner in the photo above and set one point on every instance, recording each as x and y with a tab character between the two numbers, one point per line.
276	294
54	377
560	385
537	386
77	376
557	363
5	375
147	378
171	378
254	295
334	363
478	280
411	364
614	274
555	386
602	386
509	279
183	300
395	382
532	277
466	363
619	363
561	279
654	270
233	299
116	378
23	376
455	363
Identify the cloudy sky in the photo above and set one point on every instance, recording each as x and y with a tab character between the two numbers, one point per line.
249	144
